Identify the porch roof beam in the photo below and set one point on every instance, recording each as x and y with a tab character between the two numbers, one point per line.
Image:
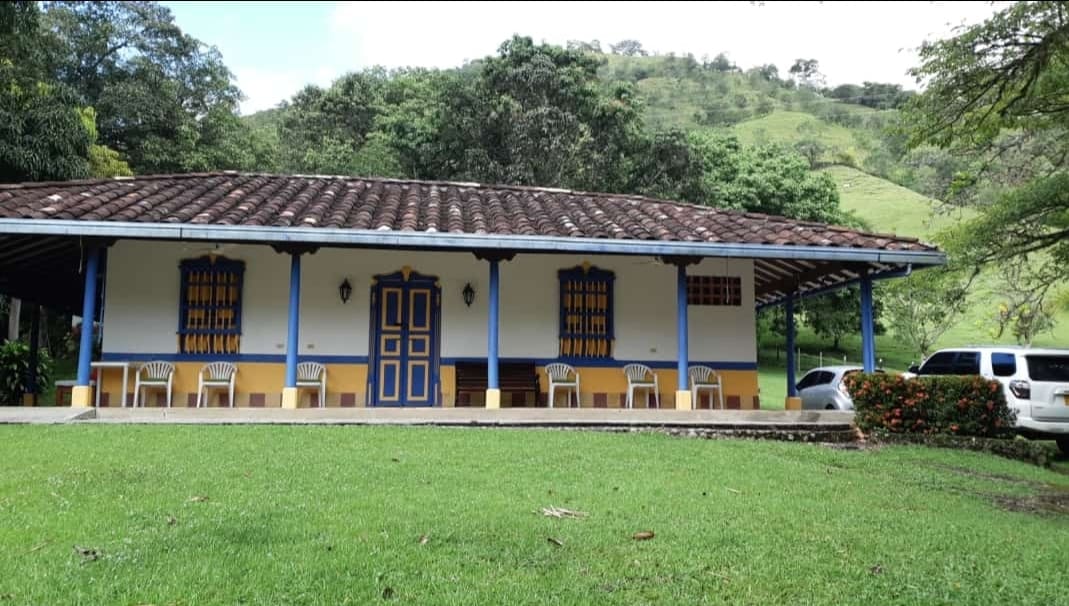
449	241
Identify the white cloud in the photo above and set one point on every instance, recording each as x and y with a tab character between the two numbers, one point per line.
854	41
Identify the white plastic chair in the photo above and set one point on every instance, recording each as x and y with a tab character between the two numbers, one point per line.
559	375
157	374
313	375
219	374
637	379
703	377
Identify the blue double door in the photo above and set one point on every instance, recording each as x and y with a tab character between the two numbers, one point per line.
406	310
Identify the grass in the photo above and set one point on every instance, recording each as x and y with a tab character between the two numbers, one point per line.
334	515
789	127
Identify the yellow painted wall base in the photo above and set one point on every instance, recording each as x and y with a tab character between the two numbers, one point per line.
493	398
27	399
289	397
793	403
683	400
81	396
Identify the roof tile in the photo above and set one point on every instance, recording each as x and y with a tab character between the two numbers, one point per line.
426	206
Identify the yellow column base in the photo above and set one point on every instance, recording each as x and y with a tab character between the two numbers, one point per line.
683	400
27	399
289	398
493	398
793	403
81	396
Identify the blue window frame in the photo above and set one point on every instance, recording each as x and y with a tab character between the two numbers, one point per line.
586	312
209	308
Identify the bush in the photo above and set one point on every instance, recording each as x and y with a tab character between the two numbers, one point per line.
15	368
961	406
1042	454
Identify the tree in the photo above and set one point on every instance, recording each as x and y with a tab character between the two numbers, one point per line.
628	48
1024	310
721	63
42	136
593	46
807	71
838	313
920	308
993	89
156	90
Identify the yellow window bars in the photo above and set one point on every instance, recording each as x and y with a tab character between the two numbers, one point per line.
586	312
210	309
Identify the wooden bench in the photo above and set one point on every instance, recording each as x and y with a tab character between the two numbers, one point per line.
512	378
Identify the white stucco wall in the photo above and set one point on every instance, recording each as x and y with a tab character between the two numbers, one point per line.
141	307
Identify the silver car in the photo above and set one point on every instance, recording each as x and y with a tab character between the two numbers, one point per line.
824	388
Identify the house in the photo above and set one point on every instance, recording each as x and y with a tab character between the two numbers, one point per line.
417	293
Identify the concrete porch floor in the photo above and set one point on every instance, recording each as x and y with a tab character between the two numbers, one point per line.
506	417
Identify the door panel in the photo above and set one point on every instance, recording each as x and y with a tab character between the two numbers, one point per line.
405	337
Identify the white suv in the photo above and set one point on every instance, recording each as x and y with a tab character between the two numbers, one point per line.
1036	383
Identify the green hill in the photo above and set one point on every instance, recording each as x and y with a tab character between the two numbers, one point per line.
789	127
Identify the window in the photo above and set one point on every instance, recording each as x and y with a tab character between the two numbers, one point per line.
714	290
586	316
824	378
939	364
809	380
1003	364
209	315
967	363
1048	368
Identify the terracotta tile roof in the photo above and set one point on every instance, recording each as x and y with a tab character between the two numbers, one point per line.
386	204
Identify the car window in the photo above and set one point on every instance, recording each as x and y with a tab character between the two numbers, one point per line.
808	379
825	378
941	363
1003	364
967	363
1048	368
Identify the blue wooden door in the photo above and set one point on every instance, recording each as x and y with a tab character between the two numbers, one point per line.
405	314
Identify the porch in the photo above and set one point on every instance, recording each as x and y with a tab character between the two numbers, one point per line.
747	422
394	299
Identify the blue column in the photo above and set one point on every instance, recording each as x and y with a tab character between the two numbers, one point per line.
682	356
868	339
491	345
792	380
293	338
89	303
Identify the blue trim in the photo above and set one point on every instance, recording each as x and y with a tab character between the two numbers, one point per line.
394	239
792	378
89	300
681	328
868	340
608	363
116	356
294	327
398	280
492	326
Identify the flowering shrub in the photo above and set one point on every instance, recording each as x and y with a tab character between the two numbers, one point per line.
963	406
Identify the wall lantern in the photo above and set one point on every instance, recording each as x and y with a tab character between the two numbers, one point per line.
345	290
469	294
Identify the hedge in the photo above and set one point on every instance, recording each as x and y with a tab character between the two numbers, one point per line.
1042	454
949	405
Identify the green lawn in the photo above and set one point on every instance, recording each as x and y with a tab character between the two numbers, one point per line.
335	515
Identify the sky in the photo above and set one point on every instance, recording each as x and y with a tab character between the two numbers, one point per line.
276	48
